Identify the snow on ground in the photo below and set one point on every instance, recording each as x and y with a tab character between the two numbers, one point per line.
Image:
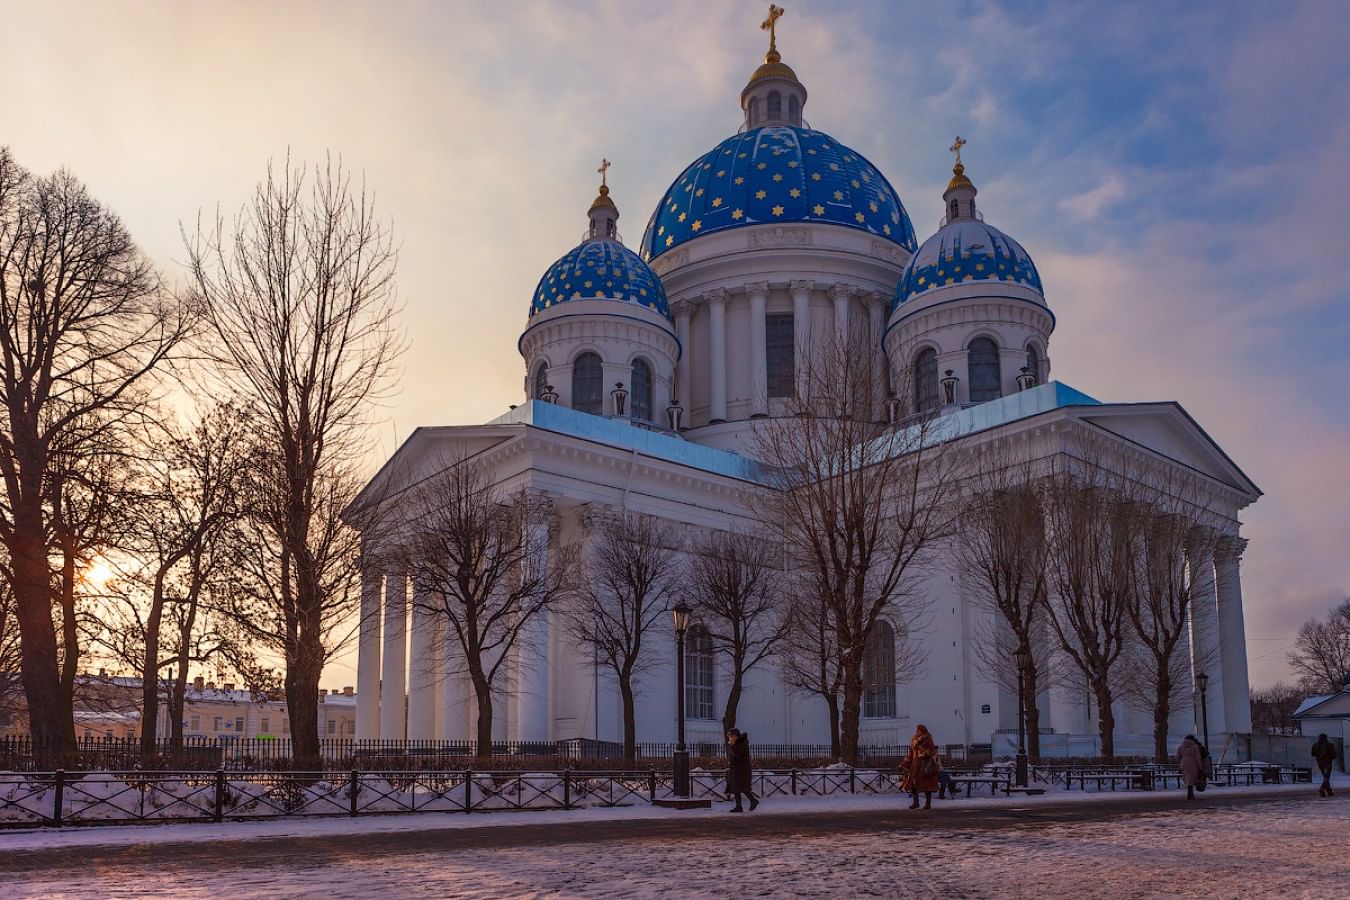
1277	848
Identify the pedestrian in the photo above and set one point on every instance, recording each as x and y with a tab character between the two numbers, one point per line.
739	776
1324	751
921	768
1192	764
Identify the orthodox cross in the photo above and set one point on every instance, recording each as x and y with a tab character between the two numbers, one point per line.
604	167
956	148
775	13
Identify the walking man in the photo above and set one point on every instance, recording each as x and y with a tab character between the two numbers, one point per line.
1324	751
739	775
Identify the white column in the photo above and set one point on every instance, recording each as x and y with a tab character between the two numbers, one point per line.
1232	635
801	332
423	670
368	659
532	663
840	294
1205	639
683	311
759	367
717	336
394	679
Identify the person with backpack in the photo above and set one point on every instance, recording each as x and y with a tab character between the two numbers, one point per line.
921	768
1324	752
1191	762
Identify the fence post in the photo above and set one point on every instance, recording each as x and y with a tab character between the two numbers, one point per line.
794	782
567	788
651	784
852	786
468	790
355	785
60	796
219	813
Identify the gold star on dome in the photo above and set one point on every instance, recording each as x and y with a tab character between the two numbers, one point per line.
777	176
921	279
979	267
885	229
738	180
777	210
834	167
948	281
716	202
760	195
812	152
867	176
818	210
872	206
839	195
856	184
742	155
794	193
670	239
586	284
859	217
762	166
707	166
660	231
815	176
721	172
698	223
683	216
792	164
698	193
737	215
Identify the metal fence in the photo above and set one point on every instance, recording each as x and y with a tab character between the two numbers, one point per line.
71	798
207	754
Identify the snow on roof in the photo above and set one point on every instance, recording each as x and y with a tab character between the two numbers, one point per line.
1312	703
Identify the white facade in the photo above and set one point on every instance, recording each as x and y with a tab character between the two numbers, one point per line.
714	350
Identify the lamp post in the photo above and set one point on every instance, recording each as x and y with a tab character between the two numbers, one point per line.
681	614
1202	681
1023	660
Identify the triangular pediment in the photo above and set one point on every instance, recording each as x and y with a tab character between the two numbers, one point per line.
1335	706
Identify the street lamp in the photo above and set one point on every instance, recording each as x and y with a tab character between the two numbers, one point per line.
681	614
1023	660
1202	681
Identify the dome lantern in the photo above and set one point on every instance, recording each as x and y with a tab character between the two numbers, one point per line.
960	193
773	95
604	215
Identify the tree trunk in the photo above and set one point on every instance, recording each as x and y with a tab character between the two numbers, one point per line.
852	711
1162	710
832	703
150	674
1106	721
483	692
1033	714
733	699
629	720
302	702
70	645
176	710
37	641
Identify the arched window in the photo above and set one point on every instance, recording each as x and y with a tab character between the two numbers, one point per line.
956	207
1034	364
926	380
794	109
641	395
775	105
754	111
982	363
879	672
588	384
700	674
541	381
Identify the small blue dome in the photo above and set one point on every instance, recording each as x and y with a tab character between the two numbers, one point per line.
600	270
775	174
966	250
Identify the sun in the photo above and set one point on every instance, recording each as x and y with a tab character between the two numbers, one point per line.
97	574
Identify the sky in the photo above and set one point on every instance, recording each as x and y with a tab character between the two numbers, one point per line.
1177	171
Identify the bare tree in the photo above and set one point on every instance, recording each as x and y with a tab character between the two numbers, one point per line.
735	580
631	573
1002	553
1093	547
480	565
300	297
860	505
809	654
1321	654
11	682
1273	708
84	322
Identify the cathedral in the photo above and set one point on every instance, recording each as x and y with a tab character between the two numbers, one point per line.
645	373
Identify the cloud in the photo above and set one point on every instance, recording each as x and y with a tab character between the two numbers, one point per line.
1089	203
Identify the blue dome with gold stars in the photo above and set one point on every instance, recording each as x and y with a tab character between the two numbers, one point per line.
966	250
600	270
779	173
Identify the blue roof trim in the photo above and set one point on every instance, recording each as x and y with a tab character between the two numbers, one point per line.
777	174
617	433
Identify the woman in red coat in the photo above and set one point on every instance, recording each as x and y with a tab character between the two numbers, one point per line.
921	768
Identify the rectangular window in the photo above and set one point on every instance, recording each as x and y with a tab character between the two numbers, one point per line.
332	726
196	723
263	724
239	725
216	723
779	352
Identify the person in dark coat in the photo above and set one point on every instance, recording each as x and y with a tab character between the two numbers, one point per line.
1191	762
739	775
921	768
1324	751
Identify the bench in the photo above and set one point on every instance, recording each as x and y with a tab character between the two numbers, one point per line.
971	781
1137	781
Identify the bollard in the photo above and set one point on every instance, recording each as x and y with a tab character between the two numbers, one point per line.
651	784
219	805
468	790
851	785
567	788
60	797
794	782
355	784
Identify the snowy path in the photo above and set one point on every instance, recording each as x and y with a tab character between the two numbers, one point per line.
1241	843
